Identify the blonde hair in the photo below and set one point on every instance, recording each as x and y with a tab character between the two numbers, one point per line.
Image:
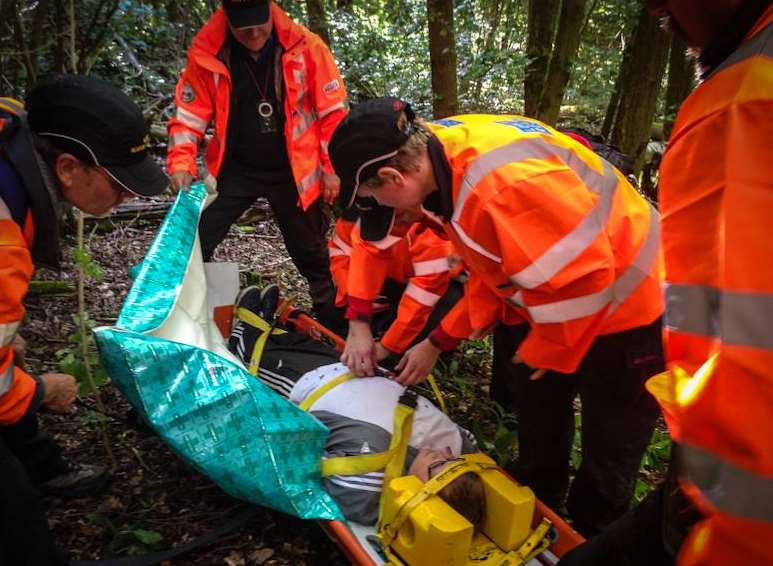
409	154
467	496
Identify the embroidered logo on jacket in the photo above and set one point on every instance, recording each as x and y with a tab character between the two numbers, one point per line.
332	86
188	94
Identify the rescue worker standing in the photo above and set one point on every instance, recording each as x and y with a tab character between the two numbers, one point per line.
562	250
85	144
717	396
275	95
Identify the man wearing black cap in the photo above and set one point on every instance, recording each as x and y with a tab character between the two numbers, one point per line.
562	254
80	140
274	95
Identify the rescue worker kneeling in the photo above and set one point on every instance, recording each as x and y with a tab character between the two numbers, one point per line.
396	290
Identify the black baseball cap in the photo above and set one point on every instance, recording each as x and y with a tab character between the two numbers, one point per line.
98	124
364	141
247	13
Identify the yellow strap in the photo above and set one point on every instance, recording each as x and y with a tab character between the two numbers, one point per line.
322	390
535	543
438	394
398	447
249	317
11	105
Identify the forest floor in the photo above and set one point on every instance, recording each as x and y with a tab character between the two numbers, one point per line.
157	501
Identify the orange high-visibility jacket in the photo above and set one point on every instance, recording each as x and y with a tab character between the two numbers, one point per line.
18	390
419	258
311	87
552	233
716	194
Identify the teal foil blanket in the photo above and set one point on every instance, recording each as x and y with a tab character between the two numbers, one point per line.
169	361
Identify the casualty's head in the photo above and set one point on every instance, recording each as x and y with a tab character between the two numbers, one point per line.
466	494
697	22
249	21
94	139
379	151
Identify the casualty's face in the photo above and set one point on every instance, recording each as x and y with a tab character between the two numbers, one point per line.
254	37
430	462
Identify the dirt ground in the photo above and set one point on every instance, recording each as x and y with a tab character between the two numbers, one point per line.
155	501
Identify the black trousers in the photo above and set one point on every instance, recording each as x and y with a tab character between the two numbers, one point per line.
27	456
650	534
304	232
618	416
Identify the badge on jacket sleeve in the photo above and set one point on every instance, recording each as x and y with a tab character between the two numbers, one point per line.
188	94
332	86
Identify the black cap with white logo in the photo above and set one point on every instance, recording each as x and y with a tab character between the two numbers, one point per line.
364	141
97	123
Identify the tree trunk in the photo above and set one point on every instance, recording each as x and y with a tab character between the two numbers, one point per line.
318	19
681	81
543	16
567	41
640	86
442	54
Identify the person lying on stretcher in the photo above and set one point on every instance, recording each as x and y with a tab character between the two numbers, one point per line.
359	414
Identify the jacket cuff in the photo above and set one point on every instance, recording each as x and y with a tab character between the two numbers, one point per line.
358	309
442	340
37	398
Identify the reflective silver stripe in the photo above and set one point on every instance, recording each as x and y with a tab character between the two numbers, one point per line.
335	252
430	266
216	79
522	150
616	293
422	295
5	213
191	120
760	44
337	106
642	265
516	299
737	318
184	137
323	146
568	248
7	332
344	247
386	242
307	121
571	309
6	379
310	180
730	489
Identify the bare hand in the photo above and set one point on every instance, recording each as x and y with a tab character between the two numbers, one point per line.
331	185
60	392
19	347
536	374
381	352
360	352
180	180
417	363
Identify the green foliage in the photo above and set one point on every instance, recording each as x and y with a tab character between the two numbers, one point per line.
86	264
70	358
131	540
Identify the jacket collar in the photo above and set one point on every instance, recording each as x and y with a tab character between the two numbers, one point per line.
740	27
440	203
211	38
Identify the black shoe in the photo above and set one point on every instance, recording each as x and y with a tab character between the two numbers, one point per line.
262	302
81	481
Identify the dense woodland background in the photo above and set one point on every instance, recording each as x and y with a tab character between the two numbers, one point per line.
602	65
